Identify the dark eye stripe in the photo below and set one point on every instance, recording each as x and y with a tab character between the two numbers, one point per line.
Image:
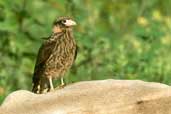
63	21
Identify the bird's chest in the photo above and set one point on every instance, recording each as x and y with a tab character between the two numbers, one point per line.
65	48
63	53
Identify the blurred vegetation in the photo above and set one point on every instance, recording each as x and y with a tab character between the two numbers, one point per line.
119	39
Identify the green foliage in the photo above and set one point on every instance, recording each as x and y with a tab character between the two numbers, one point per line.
119	39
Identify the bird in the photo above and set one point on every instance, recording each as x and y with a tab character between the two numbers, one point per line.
55	56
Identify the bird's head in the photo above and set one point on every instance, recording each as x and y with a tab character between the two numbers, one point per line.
62	24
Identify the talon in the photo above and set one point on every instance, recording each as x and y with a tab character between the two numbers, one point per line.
62	84
51	89
60	87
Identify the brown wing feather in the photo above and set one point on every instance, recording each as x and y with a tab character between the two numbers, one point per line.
44	53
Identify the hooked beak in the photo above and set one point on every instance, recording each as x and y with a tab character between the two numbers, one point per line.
70	23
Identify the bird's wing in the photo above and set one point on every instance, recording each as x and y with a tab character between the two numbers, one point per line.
43	55
46	50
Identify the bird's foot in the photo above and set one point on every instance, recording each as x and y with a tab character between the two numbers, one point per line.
60	86
43	91
51	90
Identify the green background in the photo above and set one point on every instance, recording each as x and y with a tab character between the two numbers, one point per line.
118	39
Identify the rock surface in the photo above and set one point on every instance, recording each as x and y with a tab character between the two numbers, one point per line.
94	97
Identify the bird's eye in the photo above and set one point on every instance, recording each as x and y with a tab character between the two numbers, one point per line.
63	21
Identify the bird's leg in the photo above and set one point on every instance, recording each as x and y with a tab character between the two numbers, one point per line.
62	83
51	84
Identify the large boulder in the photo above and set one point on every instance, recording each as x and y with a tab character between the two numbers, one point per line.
94	97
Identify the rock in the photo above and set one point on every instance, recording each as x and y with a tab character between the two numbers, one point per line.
94	97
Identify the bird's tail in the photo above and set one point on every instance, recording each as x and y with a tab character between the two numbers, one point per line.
36	84
40	84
